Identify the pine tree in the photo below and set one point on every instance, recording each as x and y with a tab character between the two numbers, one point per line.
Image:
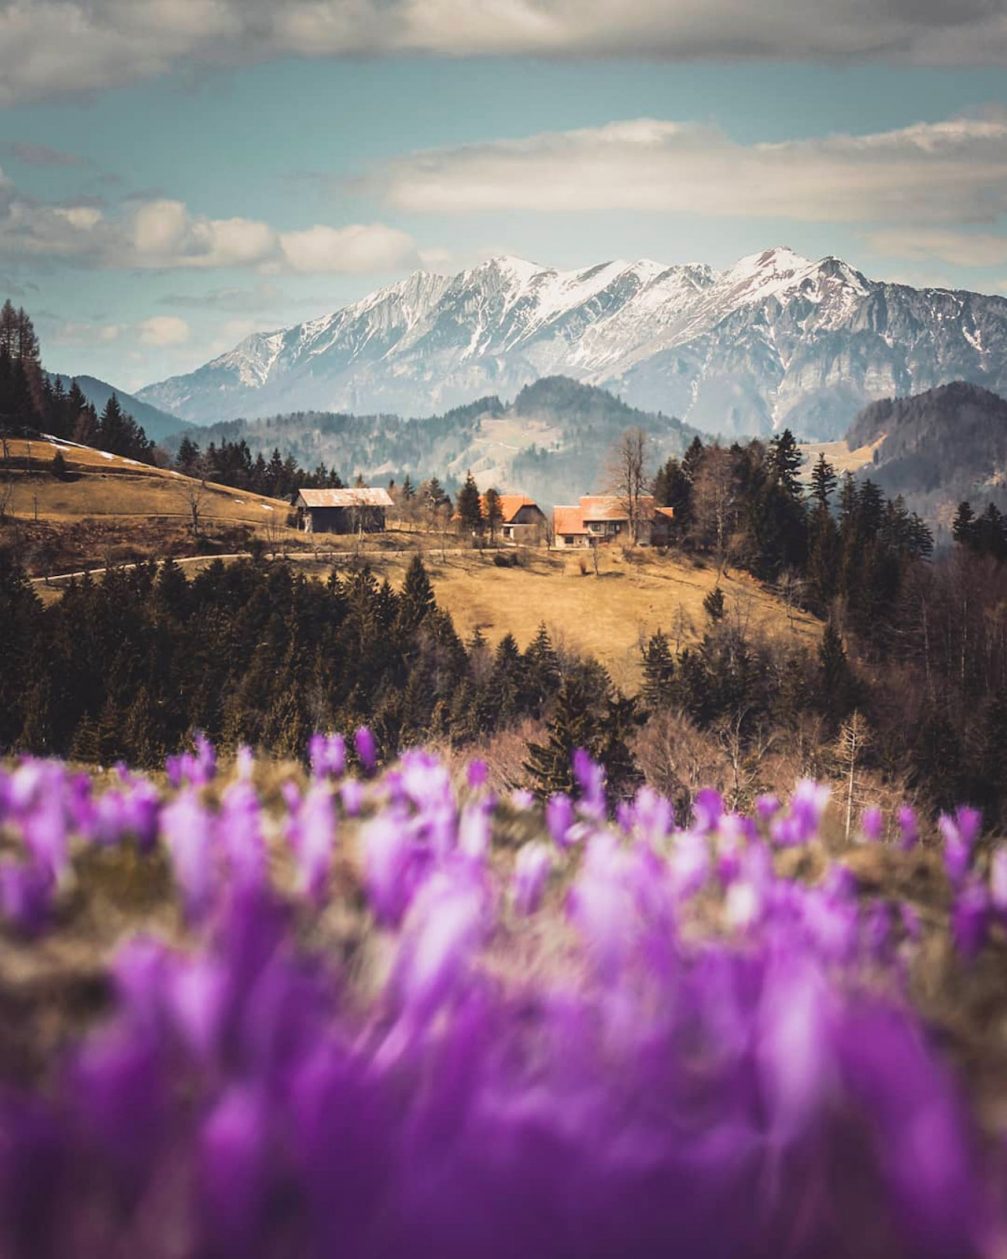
823	481
417	599
836	676
784	460
658	672
573	724
469	507
713	604
542	673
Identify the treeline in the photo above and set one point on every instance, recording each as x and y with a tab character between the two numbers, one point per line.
31	402
130	666
840	547
915	647
231	463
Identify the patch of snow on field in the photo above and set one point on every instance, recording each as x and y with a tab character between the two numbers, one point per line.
265	507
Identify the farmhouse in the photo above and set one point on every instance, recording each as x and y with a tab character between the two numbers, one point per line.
521	518
359	510
605	518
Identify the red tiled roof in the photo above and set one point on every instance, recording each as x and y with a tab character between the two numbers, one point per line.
566	520
666	511
510	505
602	507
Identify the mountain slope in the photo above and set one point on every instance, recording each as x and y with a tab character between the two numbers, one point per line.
938	447
776	339
551	442
157	424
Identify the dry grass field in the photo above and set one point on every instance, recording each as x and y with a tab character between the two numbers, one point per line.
608	616
101	485
839	455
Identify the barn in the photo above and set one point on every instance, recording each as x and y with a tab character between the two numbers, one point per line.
358	510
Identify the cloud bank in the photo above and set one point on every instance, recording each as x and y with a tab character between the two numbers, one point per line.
164	234
947	172
54	47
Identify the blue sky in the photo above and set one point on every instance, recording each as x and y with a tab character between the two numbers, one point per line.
149	226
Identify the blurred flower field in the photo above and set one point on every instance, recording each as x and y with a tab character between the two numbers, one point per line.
391	1014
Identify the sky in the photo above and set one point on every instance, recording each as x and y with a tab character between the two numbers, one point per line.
175	174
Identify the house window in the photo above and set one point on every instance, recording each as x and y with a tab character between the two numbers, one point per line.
568	539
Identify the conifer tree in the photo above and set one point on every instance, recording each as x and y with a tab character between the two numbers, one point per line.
469	506
417	598
542	673
823	481
713	604
836	676
573	724
658	672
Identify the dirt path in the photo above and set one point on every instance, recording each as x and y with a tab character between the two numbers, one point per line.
295	556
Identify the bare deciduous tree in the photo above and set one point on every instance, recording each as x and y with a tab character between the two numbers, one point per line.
714	497
854	737
193	491
628	476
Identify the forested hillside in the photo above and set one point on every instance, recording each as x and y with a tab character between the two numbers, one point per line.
551	442
938	447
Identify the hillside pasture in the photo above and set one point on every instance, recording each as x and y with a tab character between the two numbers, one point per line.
100	485
609	616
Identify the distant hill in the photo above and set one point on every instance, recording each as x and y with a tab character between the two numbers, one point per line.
551	442
937	447
157	424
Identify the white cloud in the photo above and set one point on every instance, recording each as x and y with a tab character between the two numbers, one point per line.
354	249
952	171
51	47
163	330
164	234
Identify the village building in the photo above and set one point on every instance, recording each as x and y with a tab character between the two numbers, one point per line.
521	518
358	510
600	518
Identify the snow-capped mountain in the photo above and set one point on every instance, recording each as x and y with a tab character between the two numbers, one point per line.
775	339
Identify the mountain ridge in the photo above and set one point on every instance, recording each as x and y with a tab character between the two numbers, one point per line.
774	340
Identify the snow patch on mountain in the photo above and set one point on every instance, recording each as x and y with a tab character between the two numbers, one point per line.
774	339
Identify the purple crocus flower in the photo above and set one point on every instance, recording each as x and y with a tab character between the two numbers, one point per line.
312	834
26	892
707	809
970	916
531	872
872	824
477	774
960	834
327	755
352	795
590	779
767	807
559	818
188	833
392	866
909	828
366	749
233	1173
